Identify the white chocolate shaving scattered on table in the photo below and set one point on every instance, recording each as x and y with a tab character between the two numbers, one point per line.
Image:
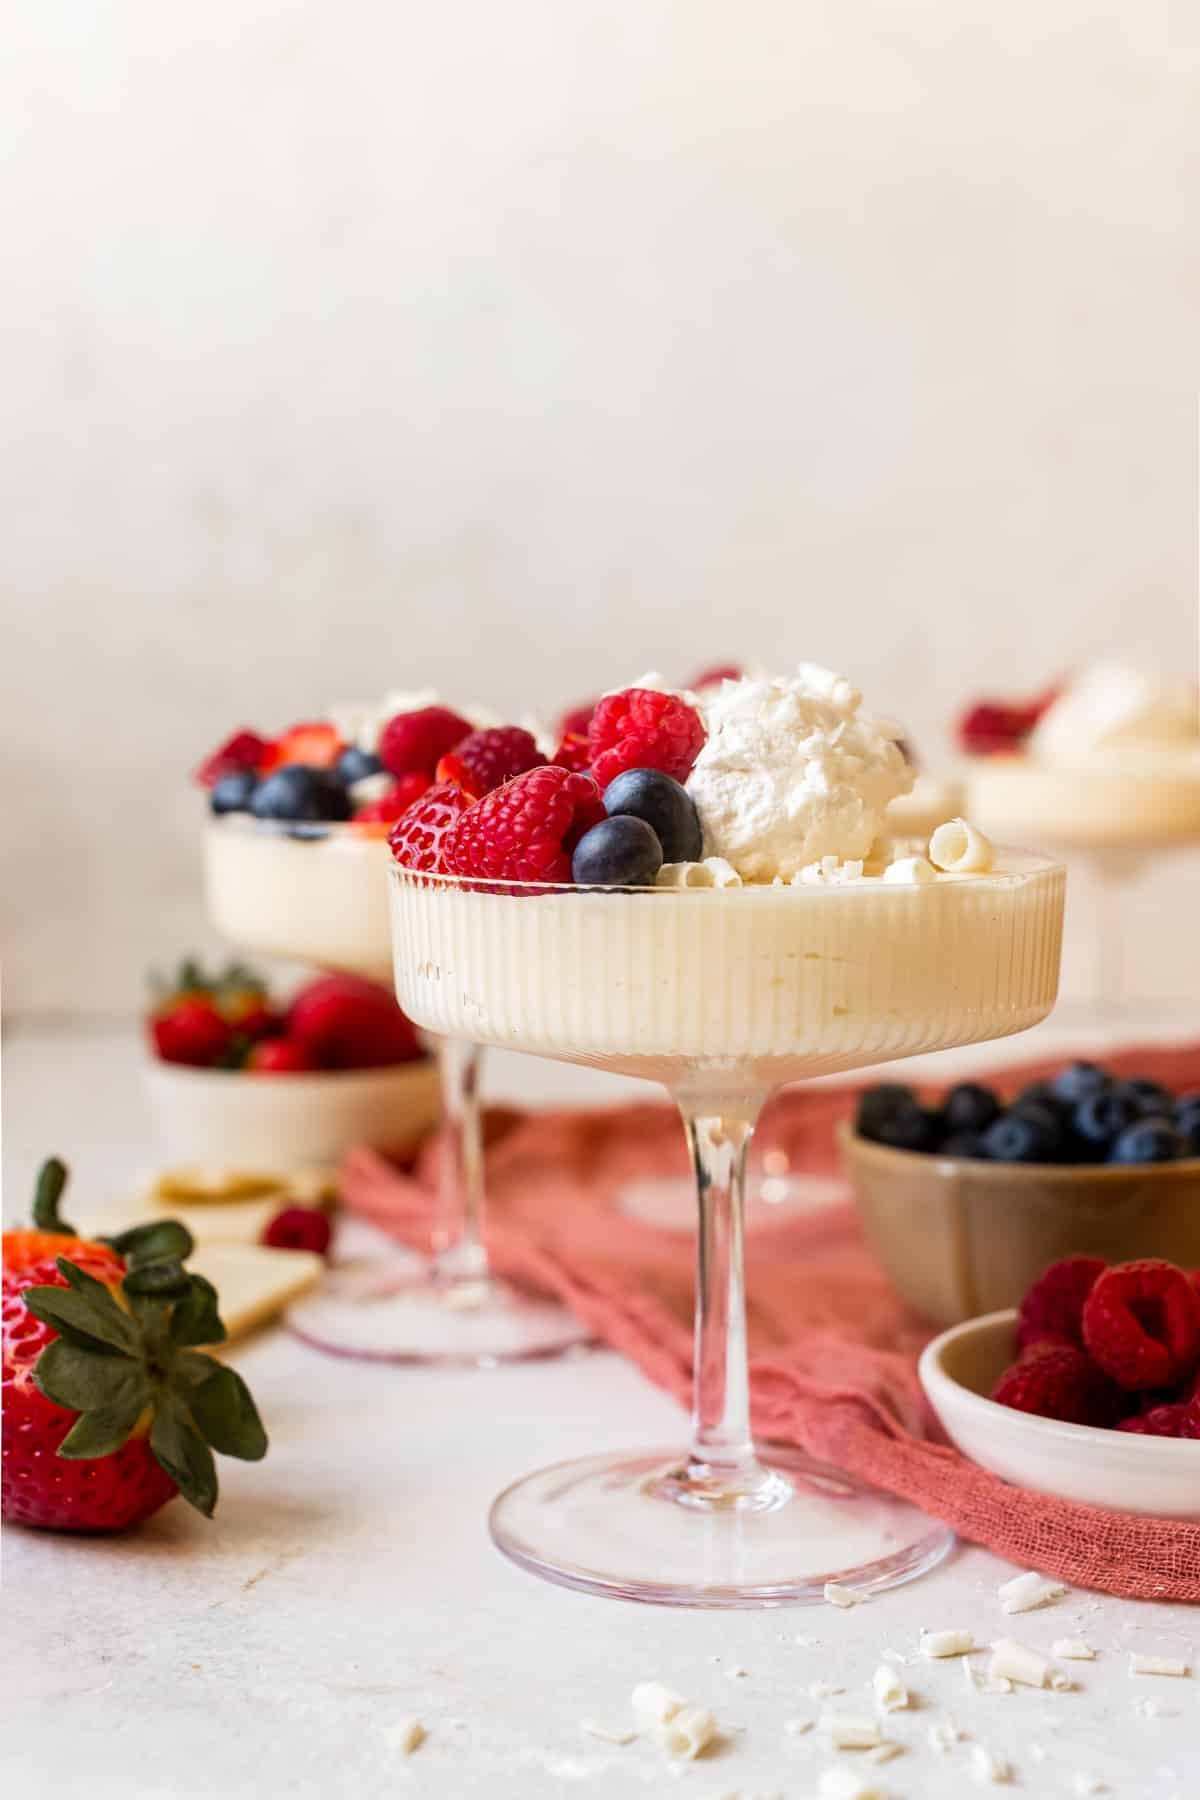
884	1752
936	1644
607	1733
850	1731
823	1690
1016	1662
843	1596
846	1784
1025	1593
797	1727
654	1704
1072	1650
1156	1665
1084	1784
687	1732
943	1736
986	1766
407	1736
959	849
890	1692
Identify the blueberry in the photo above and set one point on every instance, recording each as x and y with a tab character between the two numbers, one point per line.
1030	1136
665	806
878	1104
964	1144
1187	1124
907	1127
1147	1141
233	793
1151	1099
355	764
622	852
1097	1121
296	792
1041	1094
1080	1081
969	1107
1187	1103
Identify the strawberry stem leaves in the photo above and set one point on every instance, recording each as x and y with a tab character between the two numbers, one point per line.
52	1179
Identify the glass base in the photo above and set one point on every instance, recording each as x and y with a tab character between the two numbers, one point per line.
365	1311
621	1525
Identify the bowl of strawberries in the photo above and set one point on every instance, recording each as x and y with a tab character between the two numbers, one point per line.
234	1077
1089	1389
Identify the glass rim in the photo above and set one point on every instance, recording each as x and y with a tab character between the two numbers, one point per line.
1035	867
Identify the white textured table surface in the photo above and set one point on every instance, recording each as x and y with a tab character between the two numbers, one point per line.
348	1584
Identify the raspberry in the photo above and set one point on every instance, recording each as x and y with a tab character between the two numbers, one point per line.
575	723
395	802
418	838
244	750
299	1228
527	829
1141	1323
1179	1420
1052	1310
573	753
1058	1381
486	759
418	740
641	729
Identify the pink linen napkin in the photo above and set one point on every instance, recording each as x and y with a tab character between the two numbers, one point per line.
834	1348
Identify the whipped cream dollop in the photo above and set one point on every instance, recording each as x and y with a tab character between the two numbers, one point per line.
792	771
1112	706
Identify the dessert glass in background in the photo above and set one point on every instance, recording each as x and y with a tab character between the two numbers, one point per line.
315	891
1105	769
723	933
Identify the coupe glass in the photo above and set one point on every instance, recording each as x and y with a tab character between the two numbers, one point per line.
723	995
318	894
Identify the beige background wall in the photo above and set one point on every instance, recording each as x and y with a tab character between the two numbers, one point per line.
518	347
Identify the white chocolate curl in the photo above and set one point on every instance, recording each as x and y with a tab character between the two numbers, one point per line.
959	849
936	1644
1015	1662
687	1733
910	871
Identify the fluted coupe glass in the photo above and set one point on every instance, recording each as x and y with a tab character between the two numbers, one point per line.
722	996
318	894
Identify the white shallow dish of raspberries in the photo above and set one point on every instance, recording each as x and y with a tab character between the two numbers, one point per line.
1122	1471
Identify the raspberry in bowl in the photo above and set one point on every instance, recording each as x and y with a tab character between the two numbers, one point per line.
967	1197
1089	1390
235	1078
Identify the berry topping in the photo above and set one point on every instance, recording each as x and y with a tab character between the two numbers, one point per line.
891	1114
297	792
526	830
1052	1310
391	805
316	746
622	852
190	1029
486	759
664	805
993	727
418	839
233	792
642	729
575	722
1148	1141
1100	1119
417	741
345	1022
1141	1324
1150	1097
969	1107
281	1056
356	765
299	1228
244	750
573	752
1058	1381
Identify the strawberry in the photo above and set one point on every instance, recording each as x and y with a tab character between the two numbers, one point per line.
244	750
281	1056
109	1408
346	1022
191	1030
315	745
418	838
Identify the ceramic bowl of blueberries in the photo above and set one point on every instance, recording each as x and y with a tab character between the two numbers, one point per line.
966	1201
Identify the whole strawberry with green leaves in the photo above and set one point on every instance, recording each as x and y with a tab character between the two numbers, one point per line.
110	1406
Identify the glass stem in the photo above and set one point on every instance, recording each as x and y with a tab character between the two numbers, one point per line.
722	1467
458	1249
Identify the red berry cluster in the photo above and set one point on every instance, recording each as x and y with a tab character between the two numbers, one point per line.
999	727
1116	1347
228	1021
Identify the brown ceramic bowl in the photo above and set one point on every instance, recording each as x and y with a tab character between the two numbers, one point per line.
960	1237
